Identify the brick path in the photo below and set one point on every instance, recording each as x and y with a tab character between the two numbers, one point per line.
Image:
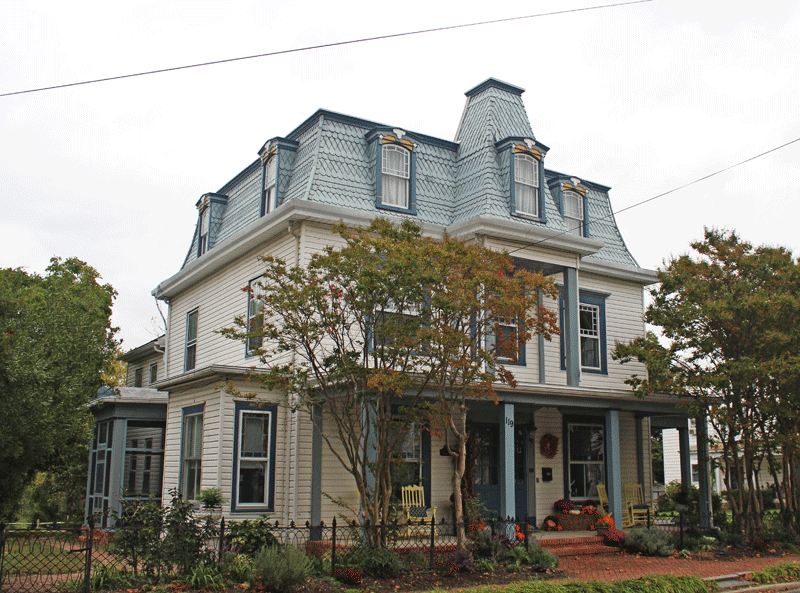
627	566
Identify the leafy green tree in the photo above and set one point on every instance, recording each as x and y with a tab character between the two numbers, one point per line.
55	341
730	317
388	320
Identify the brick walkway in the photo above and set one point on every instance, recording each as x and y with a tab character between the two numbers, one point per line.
627	566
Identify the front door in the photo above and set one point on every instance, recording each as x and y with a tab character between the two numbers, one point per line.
487	469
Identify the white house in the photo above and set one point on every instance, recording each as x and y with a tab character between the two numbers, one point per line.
489	184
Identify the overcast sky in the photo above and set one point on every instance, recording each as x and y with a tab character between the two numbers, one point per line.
643	98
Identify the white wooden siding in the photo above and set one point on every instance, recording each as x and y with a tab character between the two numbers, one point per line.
548	420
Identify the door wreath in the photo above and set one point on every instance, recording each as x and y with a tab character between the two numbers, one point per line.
548	446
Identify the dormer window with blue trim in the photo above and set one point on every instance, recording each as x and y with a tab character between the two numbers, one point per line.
269	187
526	184
202	241
573	212
396	166
526	177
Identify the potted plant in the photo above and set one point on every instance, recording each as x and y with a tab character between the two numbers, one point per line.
211	499
603	524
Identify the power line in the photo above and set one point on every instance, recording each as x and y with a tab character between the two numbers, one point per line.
322	46
669	191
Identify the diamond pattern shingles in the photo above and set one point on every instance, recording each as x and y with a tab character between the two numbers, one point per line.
334	164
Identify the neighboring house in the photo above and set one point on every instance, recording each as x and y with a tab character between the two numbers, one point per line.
490	185
126	455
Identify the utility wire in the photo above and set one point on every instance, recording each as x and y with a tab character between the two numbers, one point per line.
321	46
669	191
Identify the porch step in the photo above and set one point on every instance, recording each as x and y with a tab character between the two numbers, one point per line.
577	546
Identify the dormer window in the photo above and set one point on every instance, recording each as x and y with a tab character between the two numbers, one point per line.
269	203
526	184
573	212
395	176
202	243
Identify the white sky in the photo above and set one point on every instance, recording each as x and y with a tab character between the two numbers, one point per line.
643	98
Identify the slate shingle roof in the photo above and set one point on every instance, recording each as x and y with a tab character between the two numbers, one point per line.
334	163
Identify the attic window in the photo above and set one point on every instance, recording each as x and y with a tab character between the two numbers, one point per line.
202	243
526	184
396	172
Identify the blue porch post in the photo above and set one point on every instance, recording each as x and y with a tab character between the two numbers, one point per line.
572	352
685	455
316	469
703	471
614	478
507	503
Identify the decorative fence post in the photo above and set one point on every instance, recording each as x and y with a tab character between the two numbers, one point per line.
333	547
680	525
2	552
87	576
221	539
525	531
433	535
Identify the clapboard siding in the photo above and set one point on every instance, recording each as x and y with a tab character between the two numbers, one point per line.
548	420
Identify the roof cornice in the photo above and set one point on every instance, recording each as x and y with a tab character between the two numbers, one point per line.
525	233
635	274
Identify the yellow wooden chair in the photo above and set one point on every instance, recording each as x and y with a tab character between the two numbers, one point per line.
602	497
414	509
639	508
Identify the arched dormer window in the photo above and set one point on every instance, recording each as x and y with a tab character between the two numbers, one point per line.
526	184
395	172
573	212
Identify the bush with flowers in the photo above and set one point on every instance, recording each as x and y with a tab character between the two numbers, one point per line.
606	522
563	505
614	537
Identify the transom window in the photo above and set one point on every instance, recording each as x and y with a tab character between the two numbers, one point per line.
254	457
269	185
255	317
526	184
573	212
192	454
396	171
590	335
586	459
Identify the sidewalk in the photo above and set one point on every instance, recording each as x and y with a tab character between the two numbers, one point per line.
627	566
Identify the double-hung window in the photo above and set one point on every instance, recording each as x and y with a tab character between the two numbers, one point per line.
137	377
153	373
395	176
589	316
192	453
270	185
526	184
508	346
190	358
573	212
255	315
202	244
255	449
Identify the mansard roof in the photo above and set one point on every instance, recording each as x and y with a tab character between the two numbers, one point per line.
329	159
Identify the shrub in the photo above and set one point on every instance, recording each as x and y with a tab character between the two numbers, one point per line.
106	577
484	565
563	505
279	569
490	546
206	578
649	541
538	556
377	562
185	535
778	573
614	537
462	560
248	537
236	568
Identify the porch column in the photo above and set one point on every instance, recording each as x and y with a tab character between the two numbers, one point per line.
703	463
685	452
507	503
572	352
640	454
614	478
316	468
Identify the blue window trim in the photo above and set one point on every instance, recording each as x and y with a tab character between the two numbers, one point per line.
412	179
247	353
587	297
190	411
512	189
186	341
272	409
584	201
